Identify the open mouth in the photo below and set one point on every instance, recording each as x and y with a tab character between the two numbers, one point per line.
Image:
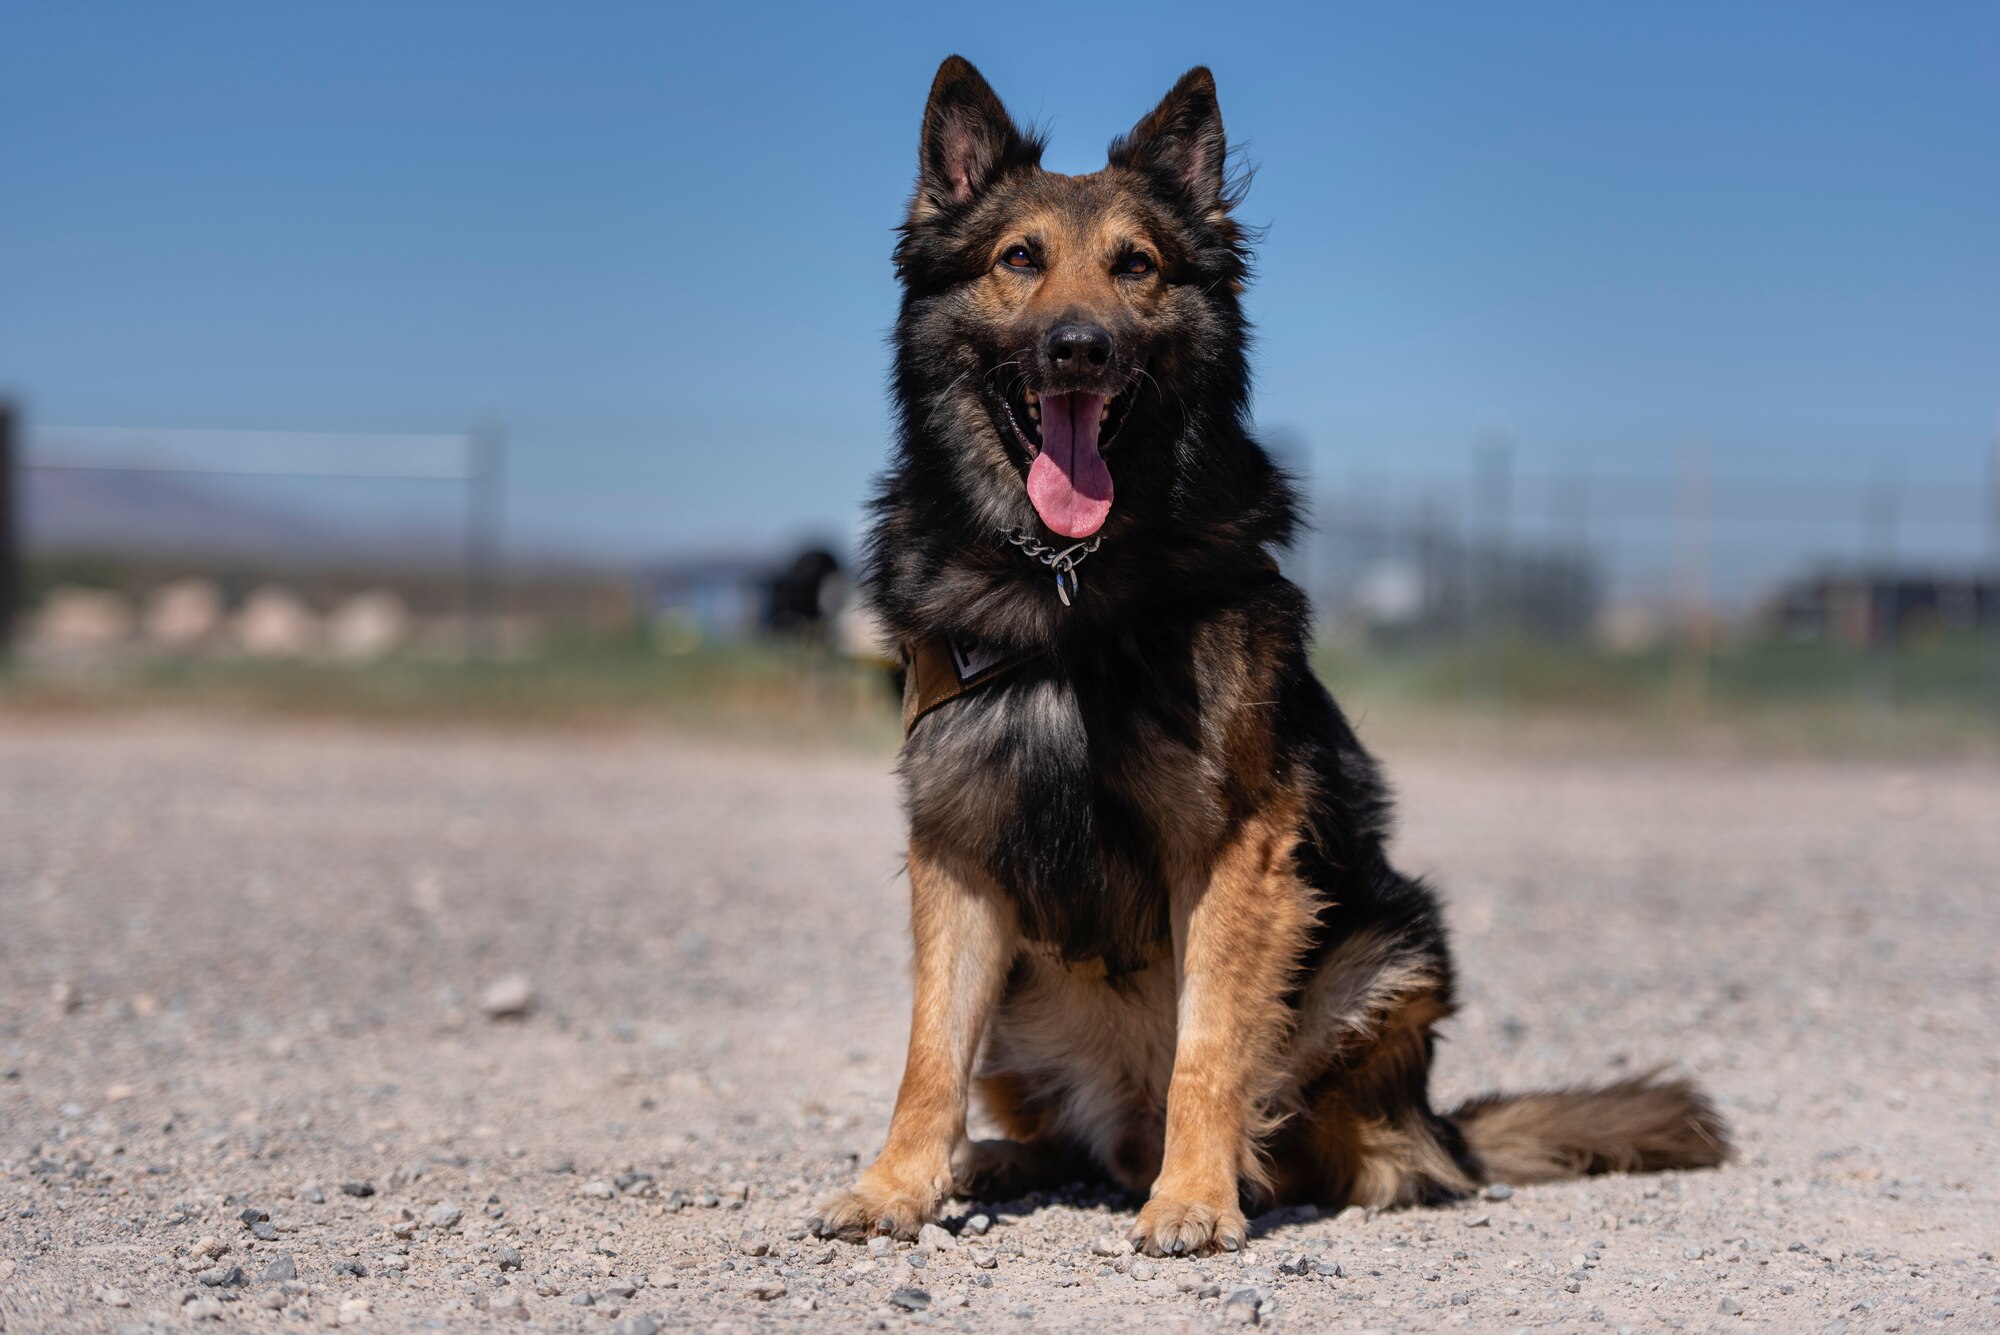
1024	415
1065	434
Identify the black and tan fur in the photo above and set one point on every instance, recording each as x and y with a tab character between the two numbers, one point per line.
1155	925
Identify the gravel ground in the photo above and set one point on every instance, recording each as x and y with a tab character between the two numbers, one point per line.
303	1026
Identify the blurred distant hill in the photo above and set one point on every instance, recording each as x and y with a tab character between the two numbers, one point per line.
159	513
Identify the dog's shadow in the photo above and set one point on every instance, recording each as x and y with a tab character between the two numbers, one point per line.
1088	1197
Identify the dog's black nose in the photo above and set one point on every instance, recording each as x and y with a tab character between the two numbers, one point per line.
1072	347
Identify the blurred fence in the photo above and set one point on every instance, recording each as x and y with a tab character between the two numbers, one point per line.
1673	567
1676	562
135	519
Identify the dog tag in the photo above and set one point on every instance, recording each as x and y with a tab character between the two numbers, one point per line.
970	659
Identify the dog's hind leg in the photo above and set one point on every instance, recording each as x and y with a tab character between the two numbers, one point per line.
999	1170
965	937
1367	1135
1361	1130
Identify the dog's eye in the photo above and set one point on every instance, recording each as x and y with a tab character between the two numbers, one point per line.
1135	266
1017	257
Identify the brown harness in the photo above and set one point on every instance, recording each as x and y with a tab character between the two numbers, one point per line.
940	670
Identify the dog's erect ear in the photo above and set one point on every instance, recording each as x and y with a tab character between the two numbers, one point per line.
1180	143
968	139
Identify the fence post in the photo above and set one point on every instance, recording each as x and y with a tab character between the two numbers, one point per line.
1692	520
1493	495
1572	501
1885	602
483	478
10	527
1988	608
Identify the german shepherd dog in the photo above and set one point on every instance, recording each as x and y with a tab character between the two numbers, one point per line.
1155	924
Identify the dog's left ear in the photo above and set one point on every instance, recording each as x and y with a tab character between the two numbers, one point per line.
1180	144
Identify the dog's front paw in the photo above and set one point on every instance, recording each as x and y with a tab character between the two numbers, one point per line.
878	1203
1174	1225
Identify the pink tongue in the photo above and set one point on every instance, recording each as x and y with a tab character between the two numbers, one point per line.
1068	482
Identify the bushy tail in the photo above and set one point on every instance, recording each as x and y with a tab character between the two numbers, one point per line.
1640	1125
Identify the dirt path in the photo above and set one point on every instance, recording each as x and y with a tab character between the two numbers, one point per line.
242	969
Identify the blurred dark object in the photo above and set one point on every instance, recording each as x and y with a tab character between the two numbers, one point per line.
806	595
10	530
1404	577
1867	609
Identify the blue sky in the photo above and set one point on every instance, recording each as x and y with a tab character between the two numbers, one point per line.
654	238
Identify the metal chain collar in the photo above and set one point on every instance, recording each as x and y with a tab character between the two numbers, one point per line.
1062	560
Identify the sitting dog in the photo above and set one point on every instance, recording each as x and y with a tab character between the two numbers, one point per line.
1155	924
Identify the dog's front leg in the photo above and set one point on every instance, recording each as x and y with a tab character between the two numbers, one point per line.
965	938
1237	938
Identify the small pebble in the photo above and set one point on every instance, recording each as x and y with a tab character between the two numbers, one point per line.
358	1188
1142	1271
910	1300
1241	1310
507	998
445	1216
978	1225
1111	1245
1729	1307
1499	1191
281	1268
985	1258
636	1325
507	1259
932	1238
768	1290
600	1191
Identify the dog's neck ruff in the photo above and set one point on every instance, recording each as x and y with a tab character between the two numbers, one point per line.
1062	560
